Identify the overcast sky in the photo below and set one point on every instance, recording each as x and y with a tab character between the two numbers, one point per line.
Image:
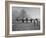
30	12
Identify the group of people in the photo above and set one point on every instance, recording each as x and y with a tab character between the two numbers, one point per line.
26	20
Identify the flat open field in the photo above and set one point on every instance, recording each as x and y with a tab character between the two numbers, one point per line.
25	26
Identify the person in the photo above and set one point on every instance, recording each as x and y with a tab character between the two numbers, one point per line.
37	21
34	22
31	20
26	20
17	19
22	20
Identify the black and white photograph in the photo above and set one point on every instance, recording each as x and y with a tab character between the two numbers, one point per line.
25	18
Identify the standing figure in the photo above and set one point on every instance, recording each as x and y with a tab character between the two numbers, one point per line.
34	22
17	19
22	20
26	20
31	20
37	21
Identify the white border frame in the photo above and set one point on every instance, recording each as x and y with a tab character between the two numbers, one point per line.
24	32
